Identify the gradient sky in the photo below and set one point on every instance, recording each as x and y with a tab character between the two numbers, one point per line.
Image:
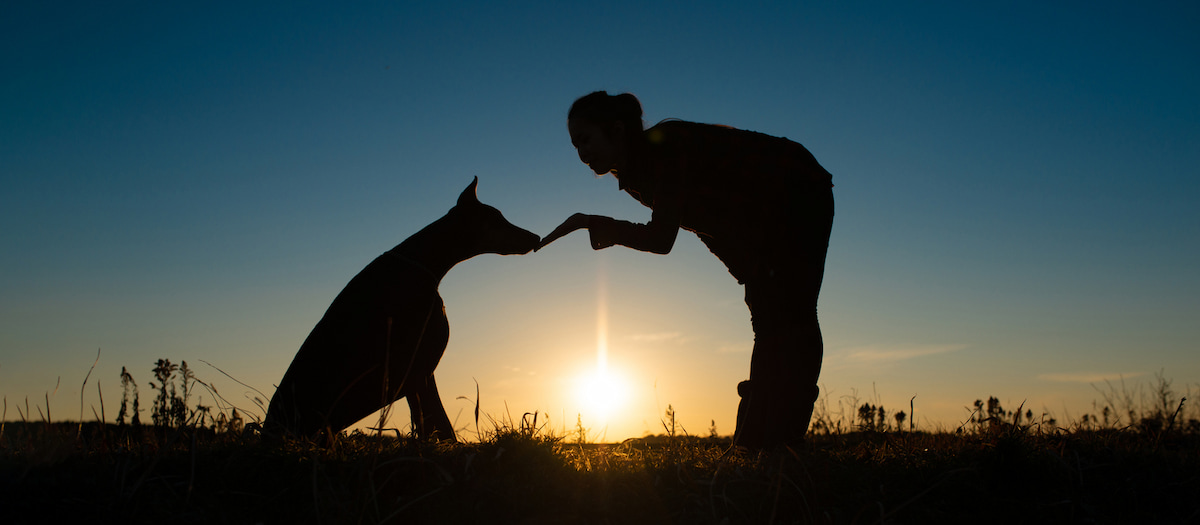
1016	190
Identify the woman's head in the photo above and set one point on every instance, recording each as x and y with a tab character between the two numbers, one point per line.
604	129
607	111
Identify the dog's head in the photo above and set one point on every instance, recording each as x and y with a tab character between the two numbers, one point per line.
490	231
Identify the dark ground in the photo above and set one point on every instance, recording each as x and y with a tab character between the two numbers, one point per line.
59	473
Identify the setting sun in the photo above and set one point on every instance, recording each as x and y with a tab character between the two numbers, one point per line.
601	394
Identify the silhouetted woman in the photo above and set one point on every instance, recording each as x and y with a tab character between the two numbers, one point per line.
762	205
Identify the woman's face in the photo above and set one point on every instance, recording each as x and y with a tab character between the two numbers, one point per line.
602	152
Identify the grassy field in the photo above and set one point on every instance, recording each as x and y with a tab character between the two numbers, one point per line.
999	467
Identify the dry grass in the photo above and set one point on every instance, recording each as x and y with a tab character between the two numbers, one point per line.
998	467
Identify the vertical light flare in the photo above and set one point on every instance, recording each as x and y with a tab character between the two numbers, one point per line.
601	318
601	391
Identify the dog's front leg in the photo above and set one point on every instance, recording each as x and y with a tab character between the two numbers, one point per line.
429	417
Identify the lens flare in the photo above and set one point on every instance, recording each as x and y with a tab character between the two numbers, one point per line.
601	318
601	392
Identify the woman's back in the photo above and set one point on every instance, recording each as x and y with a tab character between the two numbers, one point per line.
738	188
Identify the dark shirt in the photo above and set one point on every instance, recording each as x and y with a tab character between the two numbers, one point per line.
738	190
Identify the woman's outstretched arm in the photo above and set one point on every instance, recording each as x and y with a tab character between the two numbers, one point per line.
657	236
575	222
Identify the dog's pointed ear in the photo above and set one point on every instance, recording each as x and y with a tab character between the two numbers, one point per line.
468	195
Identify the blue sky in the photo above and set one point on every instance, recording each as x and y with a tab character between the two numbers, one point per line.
1015	190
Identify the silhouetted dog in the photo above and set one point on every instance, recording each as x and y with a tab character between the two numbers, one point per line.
386	331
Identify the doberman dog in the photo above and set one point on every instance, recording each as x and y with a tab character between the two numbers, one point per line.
384	334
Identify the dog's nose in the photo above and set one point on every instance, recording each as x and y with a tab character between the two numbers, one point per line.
534	241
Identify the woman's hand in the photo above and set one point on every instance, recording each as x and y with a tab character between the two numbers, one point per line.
577	221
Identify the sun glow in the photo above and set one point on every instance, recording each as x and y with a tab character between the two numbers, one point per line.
602	392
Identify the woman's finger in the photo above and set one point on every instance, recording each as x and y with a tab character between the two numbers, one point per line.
553	236
572	223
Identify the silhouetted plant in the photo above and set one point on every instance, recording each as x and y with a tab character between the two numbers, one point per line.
1087	422
872	418
580	430
162	414
203	415
179	405
170	409
128	388
232	423
171	403
994	410
866	417
1164	396
669	421
529	424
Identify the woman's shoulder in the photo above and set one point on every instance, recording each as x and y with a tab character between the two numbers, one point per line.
675	131
724	150
668	131
682	136
674	126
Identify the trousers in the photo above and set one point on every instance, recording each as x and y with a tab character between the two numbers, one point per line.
777	401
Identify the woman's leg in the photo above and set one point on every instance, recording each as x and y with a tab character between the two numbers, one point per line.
777	401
